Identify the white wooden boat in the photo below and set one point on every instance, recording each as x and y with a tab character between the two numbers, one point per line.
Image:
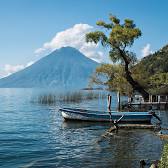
103	116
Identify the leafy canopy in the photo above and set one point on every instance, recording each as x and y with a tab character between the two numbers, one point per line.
120	37
111	76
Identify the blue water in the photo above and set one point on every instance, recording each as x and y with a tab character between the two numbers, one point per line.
35	135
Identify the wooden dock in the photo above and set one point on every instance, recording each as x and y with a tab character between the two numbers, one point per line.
137	126
132	126
114	129
137	103
147	106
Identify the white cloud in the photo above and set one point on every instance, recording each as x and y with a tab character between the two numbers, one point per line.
73	37
39	50
146	50
8	69
29	63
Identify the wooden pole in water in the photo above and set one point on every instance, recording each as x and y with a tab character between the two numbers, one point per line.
159	102
109	102
150	98
118	97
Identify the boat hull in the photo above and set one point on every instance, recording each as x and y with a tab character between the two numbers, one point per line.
85	115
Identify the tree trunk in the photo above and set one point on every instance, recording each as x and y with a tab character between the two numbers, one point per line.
135	85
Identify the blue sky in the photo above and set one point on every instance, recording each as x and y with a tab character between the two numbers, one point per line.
26	25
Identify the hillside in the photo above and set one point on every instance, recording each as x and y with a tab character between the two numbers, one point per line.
153	72
157	62
65	68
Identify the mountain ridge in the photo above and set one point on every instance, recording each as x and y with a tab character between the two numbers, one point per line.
156	62
153	71
63	68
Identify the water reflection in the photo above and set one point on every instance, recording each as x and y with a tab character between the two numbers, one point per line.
83	124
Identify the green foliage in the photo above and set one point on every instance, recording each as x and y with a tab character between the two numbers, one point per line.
159	80
103	24
159	83
119	38
155	63
96	37
153	71
149	74
140	75
111	76
164	158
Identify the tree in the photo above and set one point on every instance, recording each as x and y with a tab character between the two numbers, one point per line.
121	38
111	76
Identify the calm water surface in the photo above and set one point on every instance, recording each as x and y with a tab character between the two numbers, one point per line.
35	135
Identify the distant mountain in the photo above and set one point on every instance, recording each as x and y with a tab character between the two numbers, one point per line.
65	68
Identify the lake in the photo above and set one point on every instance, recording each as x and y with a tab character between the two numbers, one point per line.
35	135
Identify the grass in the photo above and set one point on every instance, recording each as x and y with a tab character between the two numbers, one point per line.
75	97
47	99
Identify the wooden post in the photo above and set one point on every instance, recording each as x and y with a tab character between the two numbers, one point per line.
158	98
150	98
159	102
166	104
109	102
118	97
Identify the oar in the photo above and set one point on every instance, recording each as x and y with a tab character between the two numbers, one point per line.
154	115
117	121
110	116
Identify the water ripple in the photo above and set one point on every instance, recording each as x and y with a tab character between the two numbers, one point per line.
34	135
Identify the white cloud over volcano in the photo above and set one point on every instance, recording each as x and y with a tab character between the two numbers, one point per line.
73	37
